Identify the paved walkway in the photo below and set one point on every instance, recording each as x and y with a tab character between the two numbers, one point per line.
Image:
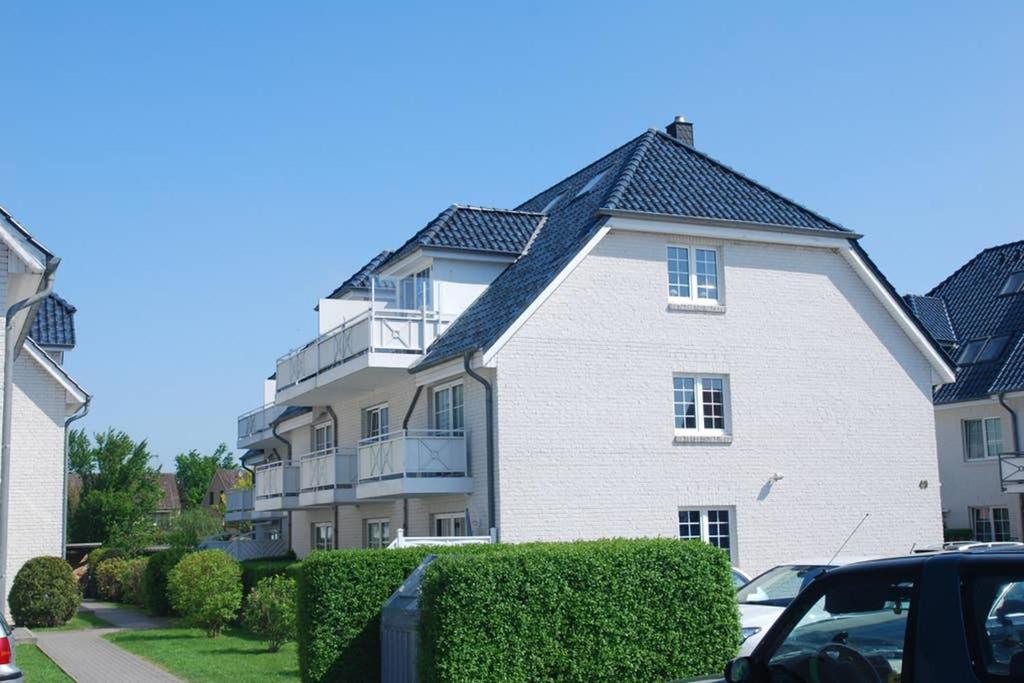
88	658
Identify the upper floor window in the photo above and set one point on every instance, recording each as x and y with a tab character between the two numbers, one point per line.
416	291
1014	284
449	410
323	437
693	273
983	350
375	422
699	403
983	438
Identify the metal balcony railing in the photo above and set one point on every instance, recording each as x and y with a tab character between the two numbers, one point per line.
258	420
276	480
331	468
413	453
1011	472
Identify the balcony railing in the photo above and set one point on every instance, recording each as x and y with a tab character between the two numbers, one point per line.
276	485
238	501
1011	472
254	422
328	469
413	454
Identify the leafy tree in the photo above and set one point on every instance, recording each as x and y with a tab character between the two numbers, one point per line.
120	490
192	526
194	471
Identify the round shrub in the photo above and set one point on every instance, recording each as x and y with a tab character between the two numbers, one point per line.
270	611
95	559
130	575
154	582
206	588
108	579
44	593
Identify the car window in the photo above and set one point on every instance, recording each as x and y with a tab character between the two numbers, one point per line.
780	585
738	580
995	608
855	631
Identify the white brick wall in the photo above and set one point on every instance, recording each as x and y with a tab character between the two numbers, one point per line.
826	390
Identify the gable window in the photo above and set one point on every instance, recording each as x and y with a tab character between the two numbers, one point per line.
693	273
1014	284
417	291
990	523
983	438
699	403
983	350
323	536
450	524
711	525
375	422
378	533
448	408
323	437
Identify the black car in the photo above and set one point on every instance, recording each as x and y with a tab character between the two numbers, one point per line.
956	617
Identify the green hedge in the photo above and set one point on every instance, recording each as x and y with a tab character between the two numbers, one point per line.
950	535
340	593
255	570
616	610
154	583
94	559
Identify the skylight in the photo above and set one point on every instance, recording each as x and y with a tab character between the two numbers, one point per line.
1014	284
554	200
983	350
591	184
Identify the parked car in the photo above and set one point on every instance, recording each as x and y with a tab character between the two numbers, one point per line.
967	545
739	578
9	671
931	617
765	597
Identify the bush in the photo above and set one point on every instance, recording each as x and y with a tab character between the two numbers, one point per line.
206	588
270	611
615	610
254	571
131	576
188	528
94	560
44	593
108	579
154	582
340	593
950	535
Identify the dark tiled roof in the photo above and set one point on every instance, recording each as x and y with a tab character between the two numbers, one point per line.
474	229
931	311
224	480
653	174
361	278
976	311
171	500
54	324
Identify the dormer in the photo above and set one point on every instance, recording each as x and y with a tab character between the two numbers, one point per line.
53	328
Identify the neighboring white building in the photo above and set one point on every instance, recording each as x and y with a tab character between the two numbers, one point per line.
654	346
978	314
45	396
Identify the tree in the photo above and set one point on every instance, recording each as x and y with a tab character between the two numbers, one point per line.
120	490
195	470
192	526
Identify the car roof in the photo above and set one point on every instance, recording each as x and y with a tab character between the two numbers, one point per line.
967	556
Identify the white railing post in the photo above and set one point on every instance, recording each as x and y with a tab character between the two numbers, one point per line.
373	301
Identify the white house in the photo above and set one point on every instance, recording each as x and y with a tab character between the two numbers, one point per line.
44	397
654	346
978	314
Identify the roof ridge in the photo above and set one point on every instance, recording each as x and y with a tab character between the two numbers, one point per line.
471	207
971	261
748	179
629	170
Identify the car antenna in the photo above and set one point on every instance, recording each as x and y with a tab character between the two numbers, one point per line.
866	515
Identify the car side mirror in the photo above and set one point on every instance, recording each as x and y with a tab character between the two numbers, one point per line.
741	670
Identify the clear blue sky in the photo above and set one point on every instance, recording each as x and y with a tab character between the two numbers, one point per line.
206	170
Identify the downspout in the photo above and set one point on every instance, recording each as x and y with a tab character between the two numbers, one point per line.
489	398
78	415
10	351
405	426
288	447
334	426
1016	448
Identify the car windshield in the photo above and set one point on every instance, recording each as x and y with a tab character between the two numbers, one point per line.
738	580
778	586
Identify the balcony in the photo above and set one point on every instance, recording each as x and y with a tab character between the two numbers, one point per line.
254	426
239	508
1011	472
276	486
413	462
327	477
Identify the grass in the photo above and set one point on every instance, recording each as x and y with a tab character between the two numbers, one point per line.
36	666
235	657
79	622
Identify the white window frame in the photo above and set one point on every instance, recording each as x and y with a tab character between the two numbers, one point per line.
450	410
381	428
705	525
455	517
315	544
986	445
699	379
991	510
693	297
379	521
327	428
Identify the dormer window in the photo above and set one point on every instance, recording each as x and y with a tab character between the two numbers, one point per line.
417	291
551	204
591	184
983	350
1014	284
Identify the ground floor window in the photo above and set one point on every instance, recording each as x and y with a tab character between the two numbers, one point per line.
711	525
991	523
323	536
378	533
450	524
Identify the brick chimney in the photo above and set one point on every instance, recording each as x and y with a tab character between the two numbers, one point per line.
681	130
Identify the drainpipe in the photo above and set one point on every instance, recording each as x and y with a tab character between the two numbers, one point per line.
10	352
79	414
286	442
1016	448
489	394
288	447
405	427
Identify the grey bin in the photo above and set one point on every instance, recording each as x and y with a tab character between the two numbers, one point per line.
400	618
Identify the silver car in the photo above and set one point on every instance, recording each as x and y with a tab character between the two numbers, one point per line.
9	672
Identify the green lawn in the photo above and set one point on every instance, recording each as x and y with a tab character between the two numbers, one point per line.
36	666
235	657
80	621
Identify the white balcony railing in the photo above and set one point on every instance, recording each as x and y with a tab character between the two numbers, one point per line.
373	331
276	480
238	500
256	421
328	469
413	453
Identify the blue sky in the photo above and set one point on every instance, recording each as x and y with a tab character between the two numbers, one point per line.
207	170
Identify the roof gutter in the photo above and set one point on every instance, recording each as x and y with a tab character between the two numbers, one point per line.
78	415
10	351
726	223
489	398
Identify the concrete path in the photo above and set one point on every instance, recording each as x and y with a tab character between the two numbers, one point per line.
88	658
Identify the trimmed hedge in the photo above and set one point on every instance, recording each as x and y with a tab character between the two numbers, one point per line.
615	610
44	593
253	571
950	535
340	594
95	559
108	579
154	583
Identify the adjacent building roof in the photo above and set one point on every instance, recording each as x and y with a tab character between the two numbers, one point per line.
978	309
360	279
653	174
171	499
54	326
224	480
931	311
